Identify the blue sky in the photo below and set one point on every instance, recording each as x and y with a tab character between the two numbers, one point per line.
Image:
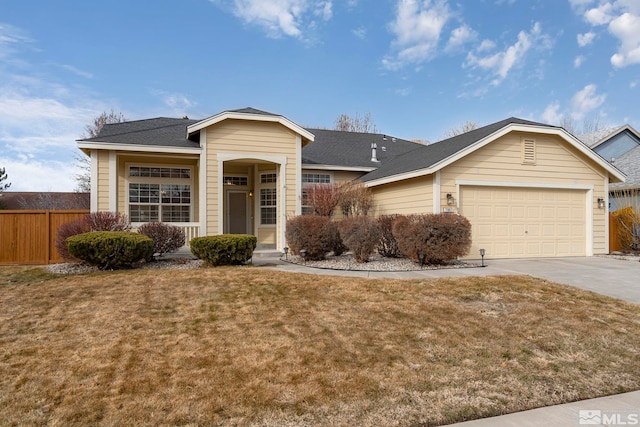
419	67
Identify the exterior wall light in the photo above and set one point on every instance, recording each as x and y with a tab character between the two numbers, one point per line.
601	204
450	199
250	193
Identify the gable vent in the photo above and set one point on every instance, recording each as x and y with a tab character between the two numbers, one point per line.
529	151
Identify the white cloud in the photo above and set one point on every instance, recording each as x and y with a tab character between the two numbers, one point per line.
280	17
360	32
40	118
416	29
603	14
585	101
486	45
10	37
580	5
551	114
586	38
622	18
26	174
179	103
578	61
501	63
77	71
626	29
460	36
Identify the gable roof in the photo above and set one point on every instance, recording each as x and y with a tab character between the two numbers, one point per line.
249	114
629	163
434	157
353	149
600	137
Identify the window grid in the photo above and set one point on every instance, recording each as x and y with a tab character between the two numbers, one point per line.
152	172
236	180
316	178
268	178
150	202
268	202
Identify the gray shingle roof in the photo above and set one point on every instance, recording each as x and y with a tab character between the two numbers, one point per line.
428	155
250	110
161	131
629	164
352	149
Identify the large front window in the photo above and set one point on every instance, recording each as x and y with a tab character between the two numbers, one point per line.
159	194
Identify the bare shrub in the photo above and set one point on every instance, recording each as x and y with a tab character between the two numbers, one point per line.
440	237
355	198
628	228
360	234
166	238
387	243
322	198
318	235
108	221
66	230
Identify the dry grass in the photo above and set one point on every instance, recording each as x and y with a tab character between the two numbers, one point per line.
245	346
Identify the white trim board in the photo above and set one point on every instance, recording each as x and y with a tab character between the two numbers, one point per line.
226	115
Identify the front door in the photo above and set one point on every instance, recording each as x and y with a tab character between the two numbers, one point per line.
237	212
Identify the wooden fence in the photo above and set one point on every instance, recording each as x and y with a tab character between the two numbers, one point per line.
28	237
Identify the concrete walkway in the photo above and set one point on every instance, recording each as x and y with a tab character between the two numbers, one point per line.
613	277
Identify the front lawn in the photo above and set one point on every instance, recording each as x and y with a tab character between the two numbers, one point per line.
242	346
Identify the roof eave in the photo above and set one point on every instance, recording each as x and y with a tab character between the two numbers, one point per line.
97	145
226	115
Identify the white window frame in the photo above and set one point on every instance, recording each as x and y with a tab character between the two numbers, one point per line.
267	186
306	185
157	180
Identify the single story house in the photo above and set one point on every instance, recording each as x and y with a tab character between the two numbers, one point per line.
621	147
528	189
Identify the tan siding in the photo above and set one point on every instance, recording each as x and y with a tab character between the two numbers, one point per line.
253	139
103	180
411	196
557	162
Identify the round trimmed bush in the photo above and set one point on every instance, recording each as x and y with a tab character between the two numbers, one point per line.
440	237
110	249
224	249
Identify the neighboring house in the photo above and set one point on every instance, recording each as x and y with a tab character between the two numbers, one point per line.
621	147
44	200
529	190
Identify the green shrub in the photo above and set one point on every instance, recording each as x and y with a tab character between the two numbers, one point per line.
360	235
110	249
166	238
440	237
224	249
387	243
315	234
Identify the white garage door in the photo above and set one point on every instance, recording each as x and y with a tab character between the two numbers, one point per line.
525	222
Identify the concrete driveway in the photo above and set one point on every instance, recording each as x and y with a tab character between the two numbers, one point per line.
605	275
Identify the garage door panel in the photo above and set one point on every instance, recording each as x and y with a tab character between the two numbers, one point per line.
534	223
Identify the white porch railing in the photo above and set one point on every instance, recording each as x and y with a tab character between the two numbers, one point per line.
191	229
